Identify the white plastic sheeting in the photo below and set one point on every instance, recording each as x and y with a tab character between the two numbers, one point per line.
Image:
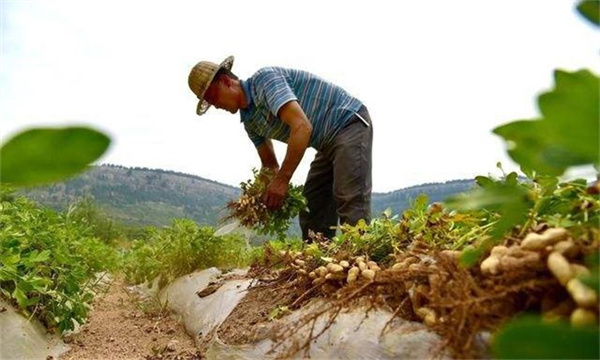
201	315
345	339
352	336
21	338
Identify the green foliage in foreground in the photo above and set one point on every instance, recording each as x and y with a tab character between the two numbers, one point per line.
181	249
42	155
566	134
528	337
48	263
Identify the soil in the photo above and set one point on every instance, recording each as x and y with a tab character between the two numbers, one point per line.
122	326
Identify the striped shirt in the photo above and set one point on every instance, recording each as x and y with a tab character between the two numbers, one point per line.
327	106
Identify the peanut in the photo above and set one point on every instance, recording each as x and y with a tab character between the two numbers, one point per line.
490	265
551	236
321	271
352	274
583	295
368	274
583	317
560	267
334	268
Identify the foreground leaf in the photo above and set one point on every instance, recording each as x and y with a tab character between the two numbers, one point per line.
590	9
567	134
529	338
44	155
509	201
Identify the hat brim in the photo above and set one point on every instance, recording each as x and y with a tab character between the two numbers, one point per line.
203	105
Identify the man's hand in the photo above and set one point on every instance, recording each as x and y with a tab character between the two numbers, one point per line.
276	192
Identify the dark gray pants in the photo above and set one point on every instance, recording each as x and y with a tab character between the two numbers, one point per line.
338	185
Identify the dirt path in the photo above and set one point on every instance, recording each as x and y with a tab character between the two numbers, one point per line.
122	326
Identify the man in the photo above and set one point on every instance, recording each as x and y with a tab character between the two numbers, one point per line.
302	110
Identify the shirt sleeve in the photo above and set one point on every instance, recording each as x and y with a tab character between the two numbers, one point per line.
273	88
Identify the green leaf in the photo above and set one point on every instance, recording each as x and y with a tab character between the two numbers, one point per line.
43	256
529	338
44	155
567	134
421	202
470	256
20	296
11	260
590	9
593	279
484	181
509	201
548	184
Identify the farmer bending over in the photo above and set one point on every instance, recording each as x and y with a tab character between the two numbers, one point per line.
302	110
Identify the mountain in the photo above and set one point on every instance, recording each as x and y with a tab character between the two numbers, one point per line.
399	200
141	196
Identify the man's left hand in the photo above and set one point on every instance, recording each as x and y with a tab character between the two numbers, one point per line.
276	193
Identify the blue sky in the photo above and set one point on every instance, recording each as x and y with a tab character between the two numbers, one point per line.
437	76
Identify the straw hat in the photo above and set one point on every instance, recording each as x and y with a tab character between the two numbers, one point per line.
200	78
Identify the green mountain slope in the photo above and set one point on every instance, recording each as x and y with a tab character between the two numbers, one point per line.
140	196
399	200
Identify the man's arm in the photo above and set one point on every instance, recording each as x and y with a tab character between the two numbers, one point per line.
300	130
268	159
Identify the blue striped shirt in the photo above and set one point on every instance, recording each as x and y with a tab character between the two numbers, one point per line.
327	106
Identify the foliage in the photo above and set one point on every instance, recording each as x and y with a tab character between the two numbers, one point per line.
250	211
566	135
590	10
568	132
528	338
44	155
86	211
424	222
48	263
180	249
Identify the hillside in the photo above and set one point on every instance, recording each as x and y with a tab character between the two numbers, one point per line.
141	196
399	200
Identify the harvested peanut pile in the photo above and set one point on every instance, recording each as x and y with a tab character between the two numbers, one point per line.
536	273
122	326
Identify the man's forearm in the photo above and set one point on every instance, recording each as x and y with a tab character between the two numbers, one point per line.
297	144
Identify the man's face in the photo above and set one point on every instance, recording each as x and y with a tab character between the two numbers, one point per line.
221	95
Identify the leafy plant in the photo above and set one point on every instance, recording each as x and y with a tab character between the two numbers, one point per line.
48	263
250	211
568	132
528	338
181	249
566	135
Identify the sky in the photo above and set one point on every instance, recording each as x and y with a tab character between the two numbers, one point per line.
436	76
